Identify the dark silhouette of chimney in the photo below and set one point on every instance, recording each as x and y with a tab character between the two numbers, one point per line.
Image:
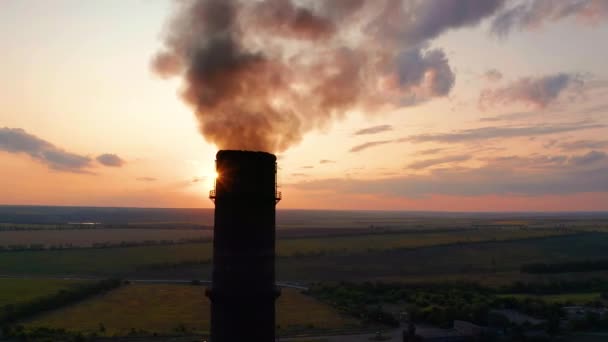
243	291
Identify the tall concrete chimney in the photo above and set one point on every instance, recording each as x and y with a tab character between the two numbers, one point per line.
243	288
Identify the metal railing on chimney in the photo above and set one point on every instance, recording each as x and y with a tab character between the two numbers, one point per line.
277	195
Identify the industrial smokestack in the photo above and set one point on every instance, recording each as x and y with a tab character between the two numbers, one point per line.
243	290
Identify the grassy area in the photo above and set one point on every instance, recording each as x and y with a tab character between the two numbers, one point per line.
120	261
109	261
296	311
378	242
470	261
88	237
167	308
16	291
574	298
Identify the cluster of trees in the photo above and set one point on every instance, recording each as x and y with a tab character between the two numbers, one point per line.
37	227
441	304
84	226
173	265
565	267
41	334
556	287
23	247
13	313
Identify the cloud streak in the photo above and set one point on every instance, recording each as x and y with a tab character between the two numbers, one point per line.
147	179
549	175
423	164
538	92
374	130
18	141
583	145
531	14
369	144
507	117
111	160
496	132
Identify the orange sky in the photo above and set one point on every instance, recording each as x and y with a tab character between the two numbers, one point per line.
524	127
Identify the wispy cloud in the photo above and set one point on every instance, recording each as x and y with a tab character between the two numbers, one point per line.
111	160
544	175
507	117
374	130
492	75
326	161
584	144
369	144
147	179
494	132
17	140
430	151
592	157
423	164
530	14
538	92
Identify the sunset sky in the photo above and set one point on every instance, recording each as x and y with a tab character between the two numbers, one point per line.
500	108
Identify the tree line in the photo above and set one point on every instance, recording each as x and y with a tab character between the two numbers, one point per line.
12	313
566	267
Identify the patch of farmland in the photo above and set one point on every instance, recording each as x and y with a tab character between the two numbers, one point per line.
121	261
376	242
484	258
90	237
16	291
171	308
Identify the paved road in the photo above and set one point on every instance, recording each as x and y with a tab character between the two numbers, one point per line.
391	335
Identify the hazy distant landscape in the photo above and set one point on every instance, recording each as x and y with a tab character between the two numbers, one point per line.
164	256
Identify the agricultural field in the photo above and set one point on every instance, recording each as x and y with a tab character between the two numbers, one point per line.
17	291
121	261
99	261
90	237
40	217
471	260
490	263
398	240
177	308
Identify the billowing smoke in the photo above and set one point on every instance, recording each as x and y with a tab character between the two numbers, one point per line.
261	73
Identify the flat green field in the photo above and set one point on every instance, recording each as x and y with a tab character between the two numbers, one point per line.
167	308
16	291
468	262
88	237
121	261
379	242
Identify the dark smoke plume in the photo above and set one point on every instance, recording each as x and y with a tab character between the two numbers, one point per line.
261	73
